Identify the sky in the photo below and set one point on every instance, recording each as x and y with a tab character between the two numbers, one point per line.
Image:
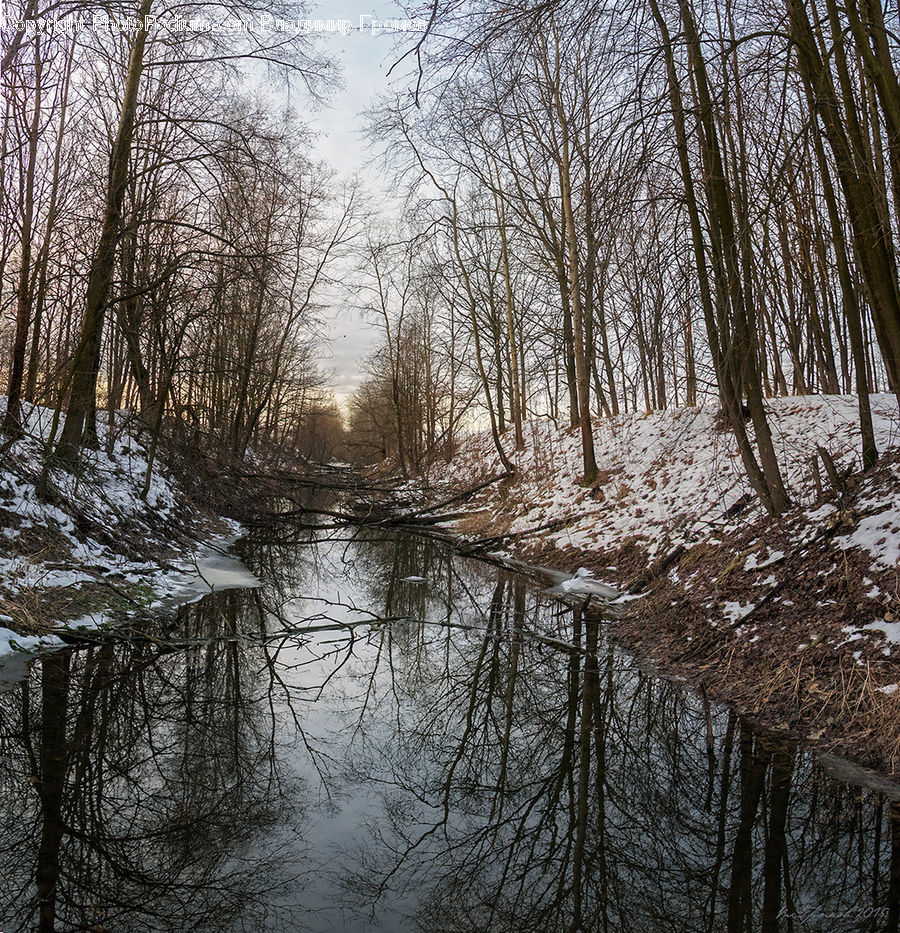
365	56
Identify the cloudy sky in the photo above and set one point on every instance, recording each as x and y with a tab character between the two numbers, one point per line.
365	56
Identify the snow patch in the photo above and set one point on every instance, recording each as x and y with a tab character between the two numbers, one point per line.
673	477
890	630
879	535
11	641
754	563
104	500
734	611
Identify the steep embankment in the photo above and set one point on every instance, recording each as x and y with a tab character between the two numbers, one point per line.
77	550
795	620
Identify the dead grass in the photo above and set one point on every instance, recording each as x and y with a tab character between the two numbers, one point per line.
606	476
483	524
696	556
39	610
796	677
45	544
35	610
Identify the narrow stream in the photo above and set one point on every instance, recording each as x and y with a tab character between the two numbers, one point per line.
346	749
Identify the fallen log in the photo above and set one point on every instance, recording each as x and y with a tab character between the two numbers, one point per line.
460	496
481	544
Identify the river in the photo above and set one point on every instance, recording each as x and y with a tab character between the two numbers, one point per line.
348	748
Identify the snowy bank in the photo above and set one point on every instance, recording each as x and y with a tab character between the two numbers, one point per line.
665	478
794	619
79	549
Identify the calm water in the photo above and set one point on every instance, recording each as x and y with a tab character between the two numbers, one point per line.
344	750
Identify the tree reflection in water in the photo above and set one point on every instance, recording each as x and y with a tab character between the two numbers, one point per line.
343	749
136	778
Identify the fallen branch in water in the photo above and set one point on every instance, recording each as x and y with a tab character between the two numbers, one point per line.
372	519
481	544
310	510
459	497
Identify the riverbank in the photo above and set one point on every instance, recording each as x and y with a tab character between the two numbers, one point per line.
80	550
794	620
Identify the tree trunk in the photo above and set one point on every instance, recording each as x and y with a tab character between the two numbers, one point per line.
850	302
727	393
582	375
12	419
515	398
874	247
741	353
86	363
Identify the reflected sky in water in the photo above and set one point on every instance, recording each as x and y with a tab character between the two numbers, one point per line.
345	749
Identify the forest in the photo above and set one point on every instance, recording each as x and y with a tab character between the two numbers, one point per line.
165	231
619	207
601	208
571	602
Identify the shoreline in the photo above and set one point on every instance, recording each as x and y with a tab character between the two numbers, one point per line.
82	551
822	680
821	707
791	621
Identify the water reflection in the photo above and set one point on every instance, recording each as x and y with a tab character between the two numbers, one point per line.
346	750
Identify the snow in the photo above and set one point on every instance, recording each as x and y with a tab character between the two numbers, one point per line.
210	570
25	573
879	535
878	530
76	529
670	477
11	641
88	622
891	630
754	563
734	611
852	633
